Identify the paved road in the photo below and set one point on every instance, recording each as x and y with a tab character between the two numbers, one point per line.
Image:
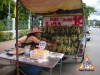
93	50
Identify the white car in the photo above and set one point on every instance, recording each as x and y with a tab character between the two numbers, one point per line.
88	35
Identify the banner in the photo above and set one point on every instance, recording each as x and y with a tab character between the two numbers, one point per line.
63	21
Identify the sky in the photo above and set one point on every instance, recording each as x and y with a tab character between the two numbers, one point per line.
96	5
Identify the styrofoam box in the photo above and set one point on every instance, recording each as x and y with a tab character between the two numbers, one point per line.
37	54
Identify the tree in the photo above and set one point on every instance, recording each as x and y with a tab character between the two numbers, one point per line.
4	3
87	11
4	8
23	12
98	24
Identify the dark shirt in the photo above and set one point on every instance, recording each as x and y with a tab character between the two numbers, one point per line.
32	44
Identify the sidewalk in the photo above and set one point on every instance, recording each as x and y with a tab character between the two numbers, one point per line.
7	45
6	70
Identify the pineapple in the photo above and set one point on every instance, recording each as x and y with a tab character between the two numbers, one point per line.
65	40
76	44
50	48
57	40
59	49
72	49
61	40
49	29
69	50
64	49
80	36
66	30
54	48
78	30
52	30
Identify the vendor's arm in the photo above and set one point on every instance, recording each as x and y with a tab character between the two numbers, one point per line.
20	40
34	39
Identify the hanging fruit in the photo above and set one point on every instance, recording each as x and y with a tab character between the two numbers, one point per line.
65	38
64	49
54	48
59	49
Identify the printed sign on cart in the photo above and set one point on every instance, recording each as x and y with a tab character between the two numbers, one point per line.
63	21
42	45
52	21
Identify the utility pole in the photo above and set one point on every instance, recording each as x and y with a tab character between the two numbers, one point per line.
9	9
8	24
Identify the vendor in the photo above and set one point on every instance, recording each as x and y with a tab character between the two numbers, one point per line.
31	38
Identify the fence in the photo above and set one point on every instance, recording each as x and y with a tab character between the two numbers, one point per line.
9	26
5	25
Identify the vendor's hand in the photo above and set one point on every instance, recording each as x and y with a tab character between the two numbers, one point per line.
51	44
19	43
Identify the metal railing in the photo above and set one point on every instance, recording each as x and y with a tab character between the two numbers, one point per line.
7	25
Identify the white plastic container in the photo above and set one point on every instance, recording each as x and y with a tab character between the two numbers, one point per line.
37	54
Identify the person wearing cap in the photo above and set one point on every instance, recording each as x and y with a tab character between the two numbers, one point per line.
31	38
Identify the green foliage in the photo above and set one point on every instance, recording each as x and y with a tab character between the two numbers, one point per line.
2	26
3	3
23	13
23	25
23	32
98	23
3	13
4	8
5	36
87	11
12	6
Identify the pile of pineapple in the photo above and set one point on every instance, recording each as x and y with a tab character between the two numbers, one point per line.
64	39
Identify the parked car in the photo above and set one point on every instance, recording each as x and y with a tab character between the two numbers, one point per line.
95	26
88	34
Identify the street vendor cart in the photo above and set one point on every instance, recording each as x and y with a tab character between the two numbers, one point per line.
63	24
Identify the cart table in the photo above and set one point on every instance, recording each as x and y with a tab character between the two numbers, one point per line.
53	59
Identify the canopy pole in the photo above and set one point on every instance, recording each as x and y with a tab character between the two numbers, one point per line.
17	60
